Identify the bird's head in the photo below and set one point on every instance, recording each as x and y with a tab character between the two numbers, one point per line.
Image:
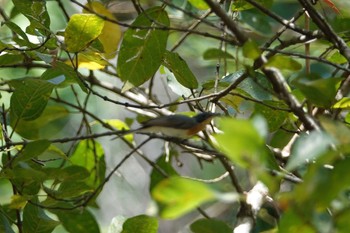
205	116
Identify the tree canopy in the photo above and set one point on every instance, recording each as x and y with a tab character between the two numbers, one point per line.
75	76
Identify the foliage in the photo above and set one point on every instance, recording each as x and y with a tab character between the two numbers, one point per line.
279	153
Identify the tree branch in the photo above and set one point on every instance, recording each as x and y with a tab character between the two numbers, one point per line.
281	88
230	24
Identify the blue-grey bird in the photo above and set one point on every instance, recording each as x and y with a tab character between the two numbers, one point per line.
179	126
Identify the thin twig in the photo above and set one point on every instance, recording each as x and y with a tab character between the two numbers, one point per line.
231	25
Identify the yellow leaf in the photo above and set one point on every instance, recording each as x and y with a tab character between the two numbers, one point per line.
111	32
343	103
90	60
18	202
121	125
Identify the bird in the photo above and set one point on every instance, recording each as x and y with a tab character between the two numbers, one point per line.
177	126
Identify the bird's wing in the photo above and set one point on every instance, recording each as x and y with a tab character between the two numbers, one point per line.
172	121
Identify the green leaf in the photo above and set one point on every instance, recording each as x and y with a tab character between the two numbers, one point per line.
173	83
35	220
11	59
199	4
337	129
4	45
54	153
242	5
242	143
337	58
81	30
27	180
69	173
271	111
282	136
180	69
215	54
283	63
142	50
233	100
32	150
71	76
72	189
5	225
90	155
256	85
36	13
157	176
78	221
308	147
347	119
17	29
47	58
28	172
29	99
53	76
258	21
340	24
335	183
74	173
342	221
210	226
293	222
180	196
320	92
34	129
251	50
323	180
140	224
232	77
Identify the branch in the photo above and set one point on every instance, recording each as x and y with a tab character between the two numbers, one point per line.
61	6
339	43
142	102
319	59
227	90
255	198
326	29
284	22
260	102
192	27
19	222
37	47
283	29
192	15
231	25
281	88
